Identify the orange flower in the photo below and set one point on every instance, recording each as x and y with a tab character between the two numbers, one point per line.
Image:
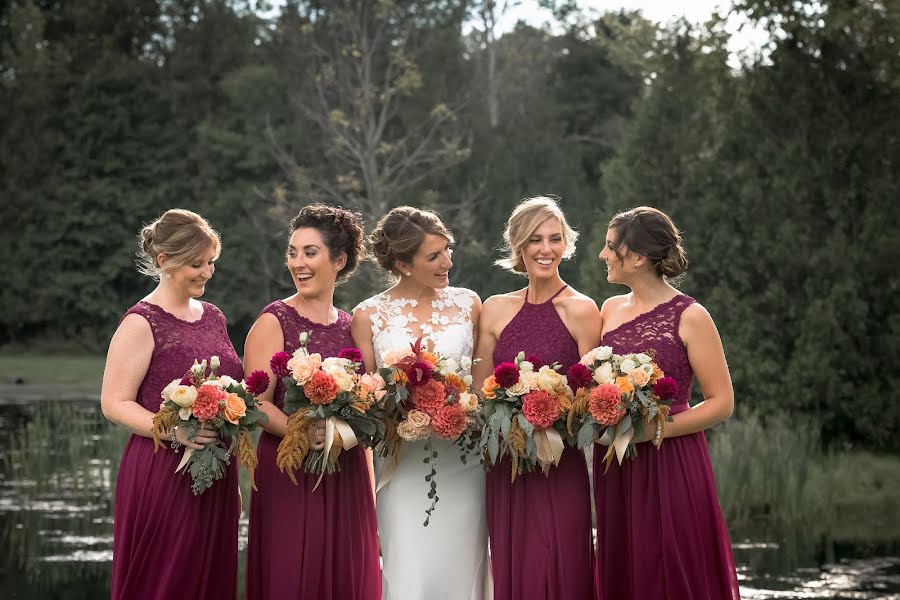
624	385
490	387
321	388
400	377
235	408
657	374
429	357
456	382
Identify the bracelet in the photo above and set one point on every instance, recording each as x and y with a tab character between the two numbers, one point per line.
175	445
657	439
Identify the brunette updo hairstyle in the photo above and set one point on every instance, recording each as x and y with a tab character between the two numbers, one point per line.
398	235
342	231
182	235
652	233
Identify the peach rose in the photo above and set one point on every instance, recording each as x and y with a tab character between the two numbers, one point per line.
235	408
303	365
468	402
490	387
638	377
372	384
392	357
417	426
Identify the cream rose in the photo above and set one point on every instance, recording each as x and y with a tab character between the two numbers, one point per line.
603	373
520	388
468	402
344	380
417	426
604	352
643	358
526	366
167	391
628	365
549	380
184	396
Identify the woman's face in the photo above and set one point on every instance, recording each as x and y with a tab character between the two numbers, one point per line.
431	264
190	278
545	249
310	263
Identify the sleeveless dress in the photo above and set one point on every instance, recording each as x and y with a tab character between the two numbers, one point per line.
448	559
169	543
540	526
319	544
660	531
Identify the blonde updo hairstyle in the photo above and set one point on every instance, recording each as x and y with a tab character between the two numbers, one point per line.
526	217
651	233
398	235
182	235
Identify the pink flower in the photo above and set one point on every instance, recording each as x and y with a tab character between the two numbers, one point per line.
257	382
540	408
206	405
430	396
605	404
321	388
506	374
351	354
578	376
666	388
419	372
279	364
372	383
449	421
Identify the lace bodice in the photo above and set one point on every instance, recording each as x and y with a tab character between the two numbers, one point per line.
327	340
657	331
538	331
448	332
177	343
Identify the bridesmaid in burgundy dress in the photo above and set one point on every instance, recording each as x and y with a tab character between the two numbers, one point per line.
539	526
167	542
660	532
307	543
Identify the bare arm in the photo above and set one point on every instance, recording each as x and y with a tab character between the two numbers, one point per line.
487	340
585	323
265	339
127	361
707	358
361	330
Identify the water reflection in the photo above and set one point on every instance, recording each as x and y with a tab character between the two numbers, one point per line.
58	463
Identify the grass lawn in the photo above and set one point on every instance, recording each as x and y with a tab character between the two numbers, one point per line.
84	370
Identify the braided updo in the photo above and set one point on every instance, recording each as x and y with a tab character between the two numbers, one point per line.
398	235
652	233
182	235
341	230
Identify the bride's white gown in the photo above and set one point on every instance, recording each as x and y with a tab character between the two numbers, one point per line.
448	559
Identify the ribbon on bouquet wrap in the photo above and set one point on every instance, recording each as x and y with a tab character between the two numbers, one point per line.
617	439
549	445
338	435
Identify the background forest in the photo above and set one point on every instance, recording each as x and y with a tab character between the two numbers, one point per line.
782	172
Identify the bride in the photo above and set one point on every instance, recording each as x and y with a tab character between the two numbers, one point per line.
447	559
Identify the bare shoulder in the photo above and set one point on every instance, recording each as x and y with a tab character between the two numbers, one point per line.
499	303
134	327
578	304
613	303
696	324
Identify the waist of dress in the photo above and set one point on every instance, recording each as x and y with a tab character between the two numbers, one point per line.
679	407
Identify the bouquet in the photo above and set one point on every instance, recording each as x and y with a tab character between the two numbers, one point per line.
617	396
203	397
525	409
428	396
329	389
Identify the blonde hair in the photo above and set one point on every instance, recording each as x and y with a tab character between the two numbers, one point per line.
182	235
398	235
526	217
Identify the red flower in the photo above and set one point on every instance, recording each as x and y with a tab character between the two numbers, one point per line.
537	362
449	421
419	372
430	396
257	382
321	388
540	408
279	364
666	388
578	376
506	374
605	404
351	354
206	406
186	380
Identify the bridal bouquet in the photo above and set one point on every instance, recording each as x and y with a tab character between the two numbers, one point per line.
525	409
203	397
328	389
617	396
427	396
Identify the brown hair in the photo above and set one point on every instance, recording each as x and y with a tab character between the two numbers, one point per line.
398	235
182	235
526	217
341	230
652	233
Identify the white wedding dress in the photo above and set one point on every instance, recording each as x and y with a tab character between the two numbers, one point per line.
448	559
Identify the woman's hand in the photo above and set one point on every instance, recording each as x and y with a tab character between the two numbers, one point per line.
316	433
203	436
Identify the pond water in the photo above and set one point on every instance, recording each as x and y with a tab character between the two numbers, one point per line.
58	462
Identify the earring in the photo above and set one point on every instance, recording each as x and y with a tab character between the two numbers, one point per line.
408	273
168	276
